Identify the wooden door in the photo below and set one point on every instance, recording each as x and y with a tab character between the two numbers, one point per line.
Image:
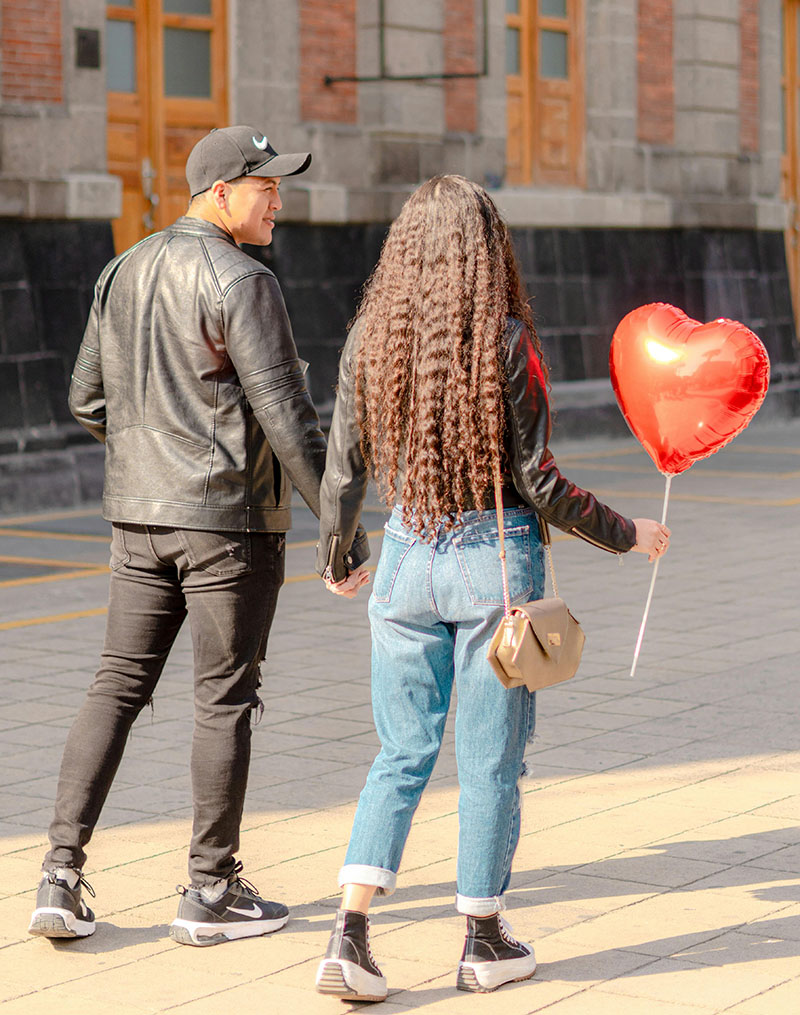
790	117
544	91
166	82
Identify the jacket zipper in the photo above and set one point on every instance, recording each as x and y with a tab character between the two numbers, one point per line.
594	542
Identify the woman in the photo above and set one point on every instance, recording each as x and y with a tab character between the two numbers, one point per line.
442	380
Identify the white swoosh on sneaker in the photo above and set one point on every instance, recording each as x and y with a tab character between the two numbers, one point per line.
254	912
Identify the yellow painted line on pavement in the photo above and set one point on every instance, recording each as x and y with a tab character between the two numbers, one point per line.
701	499
744	449
754	449
579	456
9	625
75	537
52	516
86	572
643	470
46	562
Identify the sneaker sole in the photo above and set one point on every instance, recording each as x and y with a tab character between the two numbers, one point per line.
468	980
187	932
59	923
331	980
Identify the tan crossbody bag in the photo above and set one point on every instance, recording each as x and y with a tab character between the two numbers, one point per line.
538	643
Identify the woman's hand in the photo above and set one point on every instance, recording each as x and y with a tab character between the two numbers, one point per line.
652	538
349	586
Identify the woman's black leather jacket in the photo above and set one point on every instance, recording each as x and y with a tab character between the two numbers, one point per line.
534	472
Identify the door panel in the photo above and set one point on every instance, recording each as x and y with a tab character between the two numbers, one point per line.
544	91
166	80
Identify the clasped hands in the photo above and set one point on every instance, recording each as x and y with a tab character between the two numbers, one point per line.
349	586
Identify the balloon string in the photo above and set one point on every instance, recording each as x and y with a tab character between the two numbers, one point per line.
652	582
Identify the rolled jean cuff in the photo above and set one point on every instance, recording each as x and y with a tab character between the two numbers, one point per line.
385	881
479	907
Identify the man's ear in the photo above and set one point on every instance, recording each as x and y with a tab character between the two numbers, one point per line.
219	194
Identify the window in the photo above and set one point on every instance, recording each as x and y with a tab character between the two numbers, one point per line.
544	91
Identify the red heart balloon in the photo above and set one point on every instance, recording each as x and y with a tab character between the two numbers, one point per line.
686	388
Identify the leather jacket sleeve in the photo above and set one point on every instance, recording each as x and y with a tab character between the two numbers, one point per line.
259	342
87	401
342	547
534	470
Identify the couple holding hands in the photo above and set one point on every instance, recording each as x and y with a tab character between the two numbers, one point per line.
189	374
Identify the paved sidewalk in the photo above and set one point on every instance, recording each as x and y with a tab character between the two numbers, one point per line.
659	869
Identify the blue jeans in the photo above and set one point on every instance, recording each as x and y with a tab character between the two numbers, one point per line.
433	609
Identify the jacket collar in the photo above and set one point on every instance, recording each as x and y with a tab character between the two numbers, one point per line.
199	227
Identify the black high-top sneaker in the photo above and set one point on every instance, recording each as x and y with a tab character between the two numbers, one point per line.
225	911
348	969
60	911
492	956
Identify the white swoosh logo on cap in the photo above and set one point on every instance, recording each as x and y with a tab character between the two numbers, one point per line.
262	144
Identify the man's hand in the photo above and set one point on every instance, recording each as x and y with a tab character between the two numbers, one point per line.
349	586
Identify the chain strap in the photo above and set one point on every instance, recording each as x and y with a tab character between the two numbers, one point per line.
548	549
543	528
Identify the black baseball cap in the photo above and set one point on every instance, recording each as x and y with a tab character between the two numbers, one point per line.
231	152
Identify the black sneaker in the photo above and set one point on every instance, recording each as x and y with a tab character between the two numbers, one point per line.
60	911
492	956
348	969
225	911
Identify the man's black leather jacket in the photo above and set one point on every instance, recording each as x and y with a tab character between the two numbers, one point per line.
534	473
189	373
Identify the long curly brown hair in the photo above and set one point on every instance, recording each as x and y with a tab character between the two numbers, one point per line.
429	376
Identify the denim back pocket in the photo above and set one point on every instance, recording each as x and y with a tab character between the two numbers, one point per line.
478	558
395	547
219	553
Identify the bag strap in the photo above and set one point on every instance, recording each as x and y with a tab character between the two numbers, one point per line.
544	529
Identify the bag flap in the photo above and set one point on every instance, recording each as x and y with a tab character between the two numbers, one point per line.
549	619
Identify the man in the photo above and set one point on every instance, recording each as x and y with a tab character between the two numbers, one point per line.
189	374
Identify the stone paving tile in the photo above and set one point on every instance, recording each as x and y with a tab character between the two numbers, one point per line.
597	1002
66	1000
782	998
681	980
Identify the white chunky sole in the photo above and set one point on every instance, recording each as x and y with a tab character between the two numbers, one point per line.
49	921
187	932
347	980
483	977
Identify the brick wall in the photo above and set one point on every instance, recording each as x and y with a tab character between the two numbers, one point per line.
460	56
748	76
327	46
30	50
655	72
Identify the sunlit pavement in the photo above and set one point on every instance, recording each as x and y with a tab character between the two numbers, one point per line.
659	869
